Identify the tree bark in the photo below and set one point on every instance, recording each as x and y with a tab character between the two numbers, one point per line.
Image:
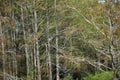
113	53
14	40
37	44
26	46
57	47
48	44
3	50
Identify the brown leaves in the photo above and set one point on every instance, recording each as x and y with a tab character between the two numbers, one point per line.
70	31
117	32
4	19
7	9
7	21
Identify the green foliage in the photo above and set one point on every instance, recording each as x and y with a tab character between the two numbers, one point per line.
99	76
69	77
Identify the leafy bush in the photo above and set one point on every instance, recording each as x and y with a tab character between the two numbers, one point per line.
99	76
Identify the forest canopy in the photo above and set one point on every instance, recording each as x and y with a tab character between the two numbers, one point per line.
59	39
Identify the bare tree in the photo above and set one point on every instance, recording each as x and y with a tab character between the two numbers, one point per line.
113	51
13	41
3	49
48	43
57	47
36	43
26	46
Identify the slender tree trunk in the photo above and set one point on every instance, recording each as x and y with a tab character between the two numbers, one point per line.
14	40
15	59
3	50
113	53
9	65
37	44
35	64
57	56
49	55
49	60
48	44
26	46
32	60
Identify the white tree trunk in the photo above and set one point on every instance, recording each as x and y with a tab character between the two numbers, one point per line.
57	47
37	44
26	46
48	44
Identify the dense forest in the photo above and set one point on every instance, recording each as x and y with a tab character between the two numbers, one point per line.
59	39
